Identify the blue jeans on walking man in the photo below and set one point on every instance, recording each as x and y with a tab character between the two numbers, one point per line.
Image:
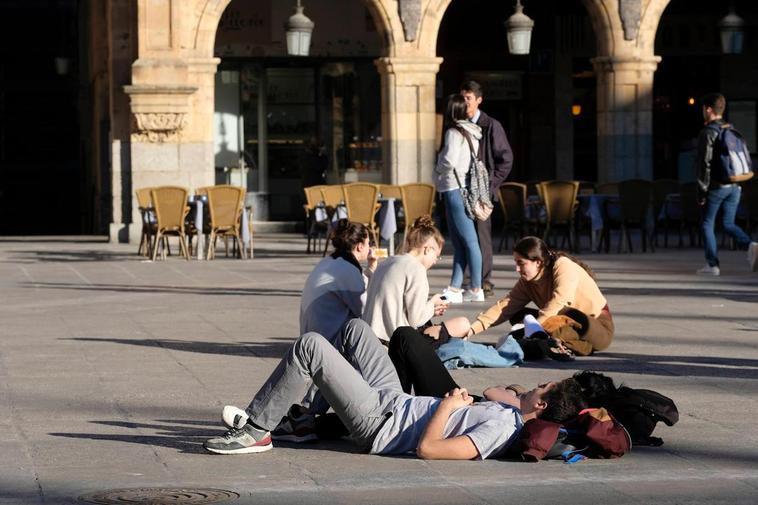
726	198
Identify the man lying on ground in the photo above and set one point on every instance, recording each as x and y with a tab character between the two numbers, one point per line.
366	394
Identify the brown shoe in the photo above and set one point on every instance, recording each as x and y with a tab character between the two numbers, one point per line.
489	289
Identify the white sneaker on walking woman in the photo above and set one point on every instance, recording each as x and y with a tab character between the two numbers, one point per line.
453	295
473	296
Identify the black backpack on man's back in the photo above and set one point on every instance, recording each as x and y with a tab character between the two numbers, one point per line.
731	160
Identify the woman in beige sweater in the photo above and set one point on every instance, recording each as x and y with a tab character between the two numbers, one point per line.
398	294
570	305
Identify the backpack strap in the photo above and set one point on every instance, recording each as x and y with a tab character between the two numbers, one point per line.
467	136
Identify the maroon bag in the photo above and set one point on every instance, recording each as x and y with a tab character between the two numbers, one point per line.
593	433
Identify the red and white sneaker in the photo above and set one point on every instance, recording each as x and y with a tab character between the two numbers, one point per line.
243	440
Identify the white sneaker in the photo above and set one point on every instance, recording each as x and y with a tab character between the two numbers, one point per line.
452	296
473	296
752	256
709	270
233	417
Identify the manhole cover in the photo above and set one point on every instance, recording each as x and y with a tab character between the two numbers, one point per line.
158	496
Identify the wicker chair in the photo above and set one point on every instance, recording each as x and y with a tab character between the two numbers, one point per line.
635	200
360	200
148	222
170	205
559	198
225	208
513	203
390	191
661	189
418	200
333	196
314	228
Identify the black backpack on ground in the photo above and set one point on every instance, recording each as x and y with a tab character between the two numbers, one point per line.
639	410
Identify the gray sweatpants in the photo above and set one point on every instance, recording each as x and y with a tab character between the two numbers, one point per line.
360	384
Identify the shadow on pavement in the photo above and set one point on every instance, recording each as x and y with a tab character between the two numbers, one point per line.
189	290
188	439
256	349
42	256
649	364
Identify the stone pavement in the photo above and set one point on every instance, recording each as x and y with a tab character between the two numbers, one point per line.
114	370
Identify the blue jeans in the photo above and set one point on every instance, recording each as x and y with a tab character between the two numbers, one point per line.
465	241
726	198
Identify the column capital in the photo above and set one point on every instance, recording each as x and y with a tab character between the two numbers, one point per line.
603	64
159	111
203	65
408	65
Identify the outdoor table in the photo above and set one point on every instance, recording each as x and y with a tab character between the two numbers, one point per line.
388	222
197	203
535	209
671	208
597	207
247	237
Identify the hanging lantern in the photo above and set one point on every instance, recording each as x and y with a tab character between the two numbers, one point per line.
299	29
731	32
519	27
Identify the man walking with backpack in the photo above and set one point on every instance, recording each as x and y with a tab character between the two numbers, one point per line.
722	161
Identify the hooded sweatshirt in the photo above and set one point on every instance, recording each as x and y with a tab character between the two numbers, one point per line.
455	154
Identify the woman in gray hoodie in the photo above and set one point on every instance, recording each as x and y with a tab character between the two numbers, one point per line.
453	162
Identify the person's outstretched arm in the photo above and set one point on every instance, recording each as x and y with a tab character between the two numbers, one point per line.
433	445
515	300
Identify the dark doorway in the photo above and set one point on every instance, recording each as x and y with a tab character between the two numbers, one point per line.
41	162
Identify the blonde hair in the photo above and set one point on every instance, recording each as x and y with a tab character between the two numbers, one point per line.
421	231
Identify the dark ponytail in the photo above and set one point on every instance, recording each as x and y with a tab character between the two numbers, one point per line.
455	111
347	235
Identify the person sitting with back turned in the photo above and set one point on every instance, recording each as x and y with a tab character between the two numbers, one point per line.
572	309
335	291
363	389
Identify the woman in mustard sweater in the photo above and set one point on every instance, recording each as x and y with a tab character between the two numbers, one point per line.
571	307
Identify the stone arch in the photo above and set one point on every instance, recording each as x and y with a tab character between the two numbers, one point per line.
651	18
602	24
209	14
430	25
385	24
607	24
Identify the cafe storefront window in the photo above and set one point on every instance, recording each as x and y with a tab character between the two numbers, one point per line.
284	123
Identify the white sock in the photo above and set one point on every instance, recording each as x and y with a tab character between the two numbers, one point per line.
531	326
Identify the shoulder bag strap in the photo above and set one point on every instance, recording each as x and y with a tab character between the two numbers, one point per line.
466	135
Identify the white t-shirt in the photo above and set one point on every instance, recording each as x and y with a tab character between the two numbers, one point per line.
491	426
397	296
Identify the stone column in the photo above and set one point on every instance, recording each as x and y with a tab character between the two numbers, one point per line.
122	46
625	31
171	102
408	117
625	117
